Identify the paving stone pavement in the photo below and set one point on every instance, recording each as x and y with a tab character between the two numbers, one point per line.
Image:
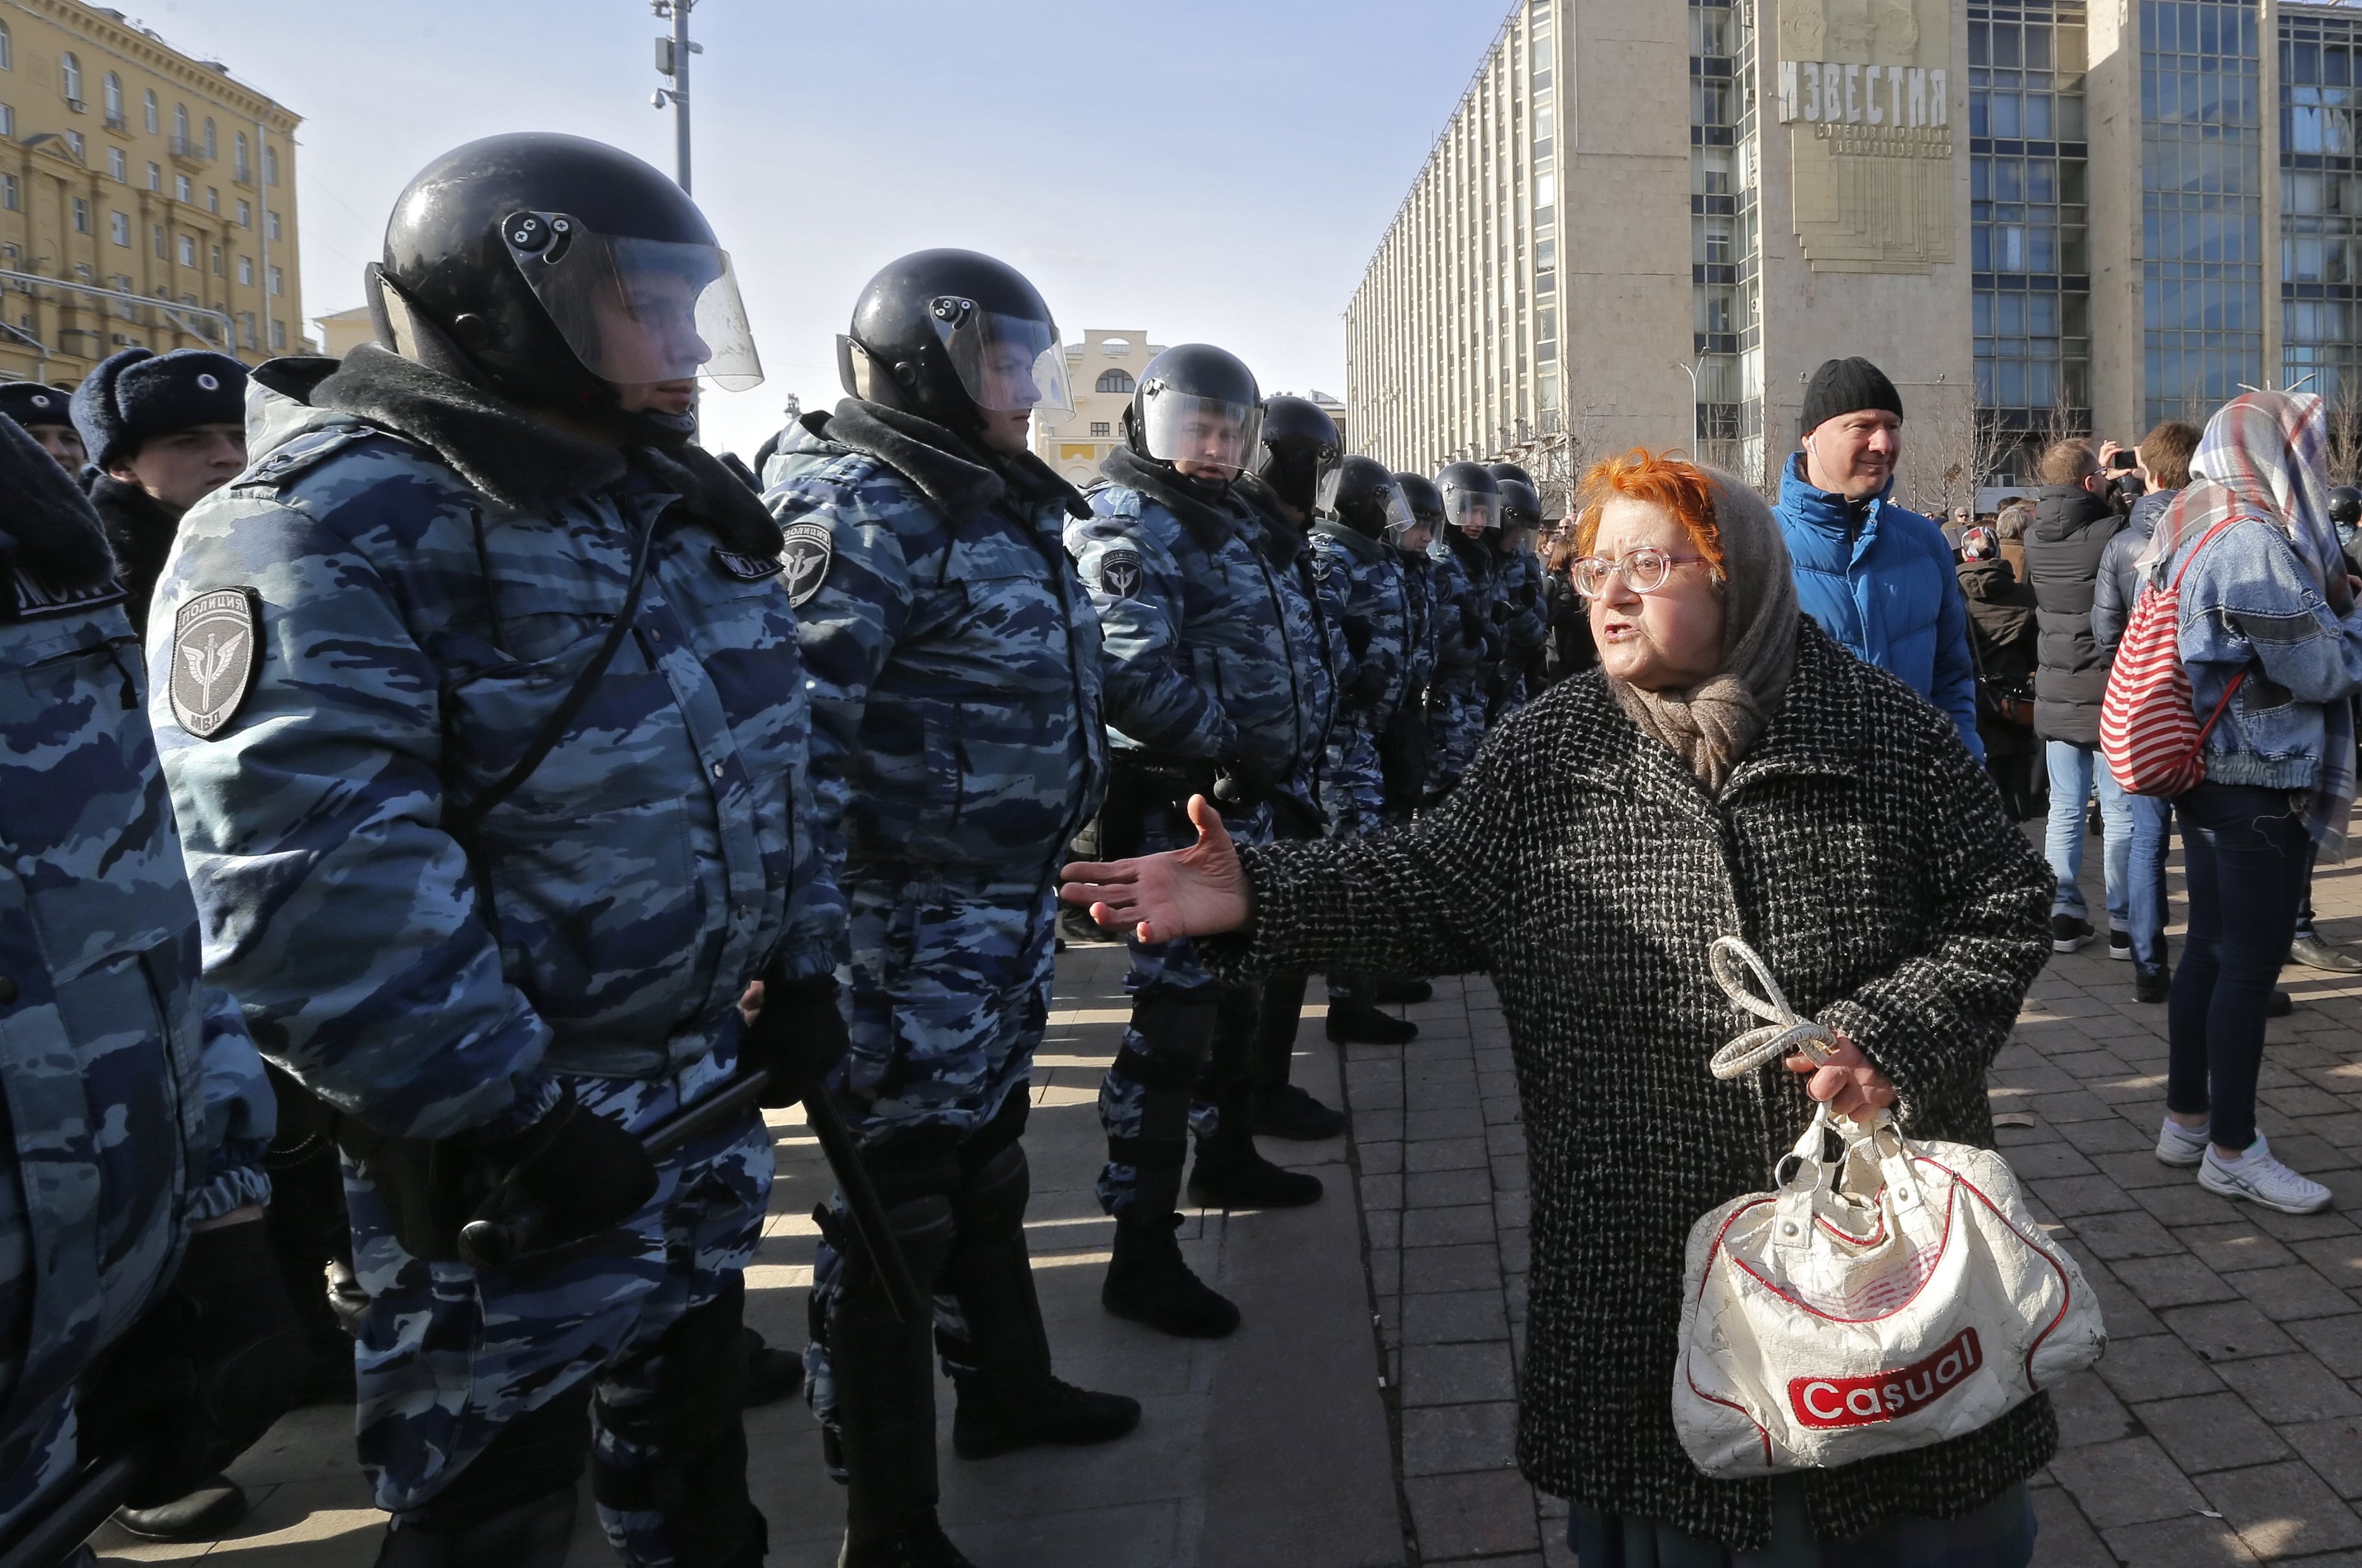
1364	1414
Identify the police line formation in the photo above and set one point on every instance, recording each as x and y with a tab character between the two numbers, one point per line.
445	802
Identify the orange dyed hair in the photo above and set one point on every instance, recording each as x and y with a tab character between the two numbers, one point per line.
1660	478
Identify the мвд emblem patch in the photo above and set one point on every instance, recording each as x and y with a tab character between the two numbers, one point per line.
216	649
805	555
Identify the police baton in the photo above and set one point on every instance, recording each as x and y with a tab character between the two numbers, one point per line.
488	1244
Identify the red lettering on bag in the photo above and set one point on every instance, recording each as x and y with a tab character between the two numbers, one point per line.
1825	1402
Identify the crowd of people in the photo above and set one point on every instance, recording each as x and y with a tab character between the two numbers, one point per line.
447	802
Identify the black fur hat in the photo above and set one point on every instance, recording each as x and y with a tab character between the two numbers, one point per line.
36	403
137	393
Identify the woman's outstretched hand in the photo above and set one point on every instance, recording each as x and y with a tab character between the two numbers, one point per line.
1196	892
1845	1082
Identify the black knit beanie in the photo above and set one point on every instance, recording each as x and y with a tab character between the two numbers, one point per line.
1848	386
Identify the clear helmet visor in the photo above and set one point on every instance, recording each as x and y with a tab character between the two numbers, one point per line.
1467	509
635	311
1178	427
1400	520
1007	364
1324	490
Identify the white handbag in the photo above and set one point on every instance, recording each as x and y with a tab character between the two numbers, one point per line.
1888	1293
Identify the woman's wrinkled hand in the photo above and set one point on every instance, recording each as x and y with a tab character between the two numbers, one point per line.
1845	1082
1196	891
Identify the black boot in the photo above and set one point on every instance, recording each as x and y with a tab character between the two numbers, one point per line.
1230	1173
1354	1022
921	1544
1277	1108
999	1352
530	1535
201	1515
1291	1113
1387	990
1148	1283
771	1374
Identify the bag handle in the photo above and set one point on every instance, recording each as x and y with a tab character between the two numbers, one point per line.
2230	689
1734	965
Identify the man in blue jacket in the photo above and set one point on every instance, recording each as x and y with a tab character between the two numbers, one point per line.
1879	578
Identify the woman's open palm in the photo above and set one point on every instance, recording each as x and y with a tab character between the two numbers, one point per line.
1196	892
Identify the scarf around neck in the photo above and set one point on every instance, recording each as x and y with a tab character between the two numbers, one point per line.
1710	725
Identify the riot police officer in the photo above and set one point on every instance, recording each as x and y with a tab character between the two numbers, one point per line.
1519	583
1203	698
1406	756
2345	514
1468	669
479	698
133	1257
954	661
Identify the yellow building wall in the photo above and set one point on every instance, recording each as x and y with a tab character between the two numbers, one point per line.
108	177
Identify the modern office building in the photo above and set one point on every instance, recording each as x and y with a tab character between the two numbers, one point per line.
146	197
2037	216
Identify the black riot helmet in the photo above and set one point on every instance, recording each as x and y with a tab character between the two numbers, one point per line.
2345	506
1505	472
1472	496
1370	501
555	269
1520	507
1426	505
1197	403
952	335
1301	449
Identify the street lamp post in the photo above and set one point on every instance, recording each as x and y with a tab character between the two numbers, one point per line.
672	59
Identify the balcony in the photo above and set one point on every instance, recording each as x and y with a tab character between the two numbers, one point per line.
191	153
115	122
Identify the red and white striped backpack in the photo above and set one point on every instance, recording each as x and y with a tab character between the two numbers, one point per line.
2149	731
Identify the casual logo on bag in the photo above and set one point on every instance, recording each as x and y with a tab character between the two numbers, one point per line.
1119	573
804	557
1826	1402
216	652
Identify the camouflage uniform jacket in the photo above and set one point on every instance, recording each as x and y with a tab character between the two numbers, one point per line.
953	654
1462	630
1419	609
1199	661
136	1105
1312	609
1368	579
1517	579
431	569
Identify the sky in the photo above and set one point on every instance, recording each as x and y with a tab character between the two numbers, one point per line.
1220	172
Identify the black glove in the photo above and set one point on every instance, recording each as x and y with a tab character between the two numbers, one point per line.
198	1379
572	1175
798	1038
1242	784
1357	636
1500	610
1367	687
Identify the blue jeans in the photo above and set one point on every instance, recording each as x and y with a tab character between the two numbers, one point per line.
2152	841
2246	854
2073	770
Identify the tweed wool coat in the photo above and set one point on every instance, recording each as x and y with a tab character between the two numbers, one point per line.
1862	852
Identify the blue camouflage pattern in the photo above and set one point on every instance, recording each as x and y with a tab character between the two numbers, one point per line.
957	748
1517	580
1368	578
415	637
136	1104
1311	618
1464	653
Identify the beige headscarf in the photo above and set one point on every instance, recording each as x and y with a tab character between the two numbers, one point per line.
1711	725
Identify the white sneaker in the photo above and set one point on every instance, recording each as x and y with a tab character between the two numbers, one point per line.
2259	1179
2180	1145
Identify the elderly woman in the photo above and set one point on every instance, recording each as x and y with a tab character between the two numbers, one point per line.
1727	769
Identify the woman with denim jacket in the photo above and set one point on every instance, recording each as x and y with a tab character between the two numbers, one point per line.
2272	639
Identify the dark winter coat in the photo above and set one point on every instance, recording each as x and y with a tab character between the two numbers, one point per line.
2118	585
2003	635
140	533
1859	848
2071	529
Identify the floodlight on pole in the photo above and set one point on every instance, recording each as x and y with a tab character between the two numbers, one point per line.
672	59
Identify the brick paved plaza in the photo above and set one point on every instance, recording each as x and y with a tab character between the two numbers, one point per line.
1363	1415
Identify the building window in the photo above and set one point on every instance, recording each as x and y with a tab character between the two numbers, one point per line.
156	235
82	214
7	48
246	328
119	228
269	165
118	167
217	259
245	213
210	144
272	227
278	334
148	109
188	250
213	200
1100	428
70	78
156	177
7	121
111	97
180	127
181	190
11	195
2201	205
246	271
74	145
2321	220
278	280
243	164
1116	381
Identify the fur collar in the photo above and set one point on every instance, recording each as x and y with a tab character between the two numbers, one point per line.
1284	541
947	470
1210	521
516	460
47	524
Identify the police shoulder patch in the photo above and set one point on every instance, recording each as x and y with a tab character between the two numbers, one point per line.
745	568
216	650
1119	573
805	555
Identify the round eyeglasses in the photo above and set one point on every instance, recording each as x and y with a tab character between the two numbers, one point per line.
1644	571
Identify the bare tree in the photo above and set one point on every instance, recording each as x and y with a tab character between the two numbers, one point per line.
1948	458
2343	410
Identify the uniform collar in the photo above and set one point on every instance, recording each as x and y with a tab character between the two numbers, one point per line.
946	469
